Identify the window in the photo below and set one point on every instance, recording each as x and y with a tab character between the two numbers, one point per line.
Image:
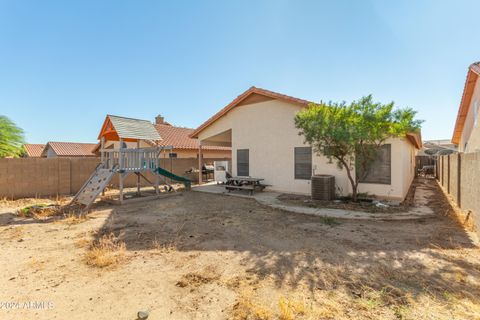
172	155
242	162
303	163
380	169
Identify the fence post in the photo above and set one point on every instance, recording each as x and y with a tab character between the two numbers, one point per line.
443	171
448	174
459	179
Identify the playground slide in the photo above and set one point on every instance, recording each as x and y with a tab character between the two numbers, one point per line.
172	176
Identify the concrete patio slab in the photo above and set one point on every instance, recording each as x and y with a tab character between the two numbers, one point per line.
420	210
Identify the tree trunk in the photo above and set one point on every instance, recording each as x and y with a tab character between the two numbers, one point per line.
350	178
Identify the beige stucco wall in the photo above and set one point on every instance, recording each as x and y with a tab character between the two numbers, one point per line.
402	175
206	153
51	153
267	129
471	131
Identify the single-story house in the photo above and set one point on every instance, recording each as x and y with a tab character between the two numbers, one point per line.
33	150
467	131
183	146
68	149
259	127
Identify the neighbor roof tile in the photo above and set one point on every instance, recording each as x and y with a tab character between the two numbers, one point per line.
179	138
73	149
34	150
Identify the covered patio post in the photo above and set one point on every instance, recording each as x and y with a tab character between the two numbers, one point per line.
200	163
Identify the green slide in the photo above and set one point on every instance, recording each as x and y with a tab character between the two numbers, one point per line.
172	176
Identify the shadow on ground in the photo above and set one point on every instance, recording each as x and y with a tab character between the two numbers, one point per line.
409	257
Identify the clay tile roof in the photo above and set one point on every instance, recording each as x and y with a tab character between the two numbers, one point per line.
179	138
34	150
472	76
242	97
72	149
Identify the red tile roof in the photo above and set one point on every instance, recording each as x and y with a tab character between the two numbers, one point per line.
472	76
414	138
179	138
72	149
34	150
242	97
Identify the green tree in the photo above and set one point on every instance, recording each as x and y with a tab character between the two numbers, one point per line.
351	134
11	138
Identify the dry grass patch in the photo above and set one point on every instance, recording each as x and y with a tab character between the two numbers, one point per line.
106	252
83	243
73	218
18	203
39	211
247	308
196	279
160	247
291	308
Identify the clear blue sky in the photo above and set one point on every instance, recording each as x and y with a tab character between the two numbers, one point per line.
64	65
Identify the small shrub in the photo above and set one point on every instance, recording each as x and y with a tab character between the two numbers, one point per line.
106	252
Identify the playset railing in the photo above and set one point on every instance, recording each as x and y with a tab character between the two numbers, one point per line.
131	159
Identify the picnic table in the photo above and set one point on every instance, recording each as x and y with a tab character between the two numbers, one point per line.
245	183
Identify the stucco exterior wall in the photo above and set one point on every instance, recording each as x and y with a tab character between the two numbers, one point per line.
51	153
205	153
402	174
470	139
267	129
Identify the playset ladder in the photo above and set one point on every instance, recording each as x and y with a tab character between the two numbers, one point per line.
94	186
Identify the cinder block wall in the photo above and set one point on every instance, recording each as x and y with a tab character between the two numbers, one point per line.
445	171
453	186
31	177
460	178
37	177
470	185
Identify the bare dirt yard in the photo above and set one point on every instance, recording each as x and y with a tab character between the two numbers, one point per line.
206	256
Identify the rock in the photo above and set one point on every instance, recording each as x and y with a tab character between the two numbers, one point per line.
142	315
378	204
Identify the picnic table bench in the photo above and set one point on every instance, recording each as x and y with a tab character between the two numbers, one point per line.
245	183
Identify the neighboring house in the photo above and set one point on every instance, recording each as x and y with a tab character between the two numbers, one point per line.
467	129
33	150
259	127
68	149
178	138
183	145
